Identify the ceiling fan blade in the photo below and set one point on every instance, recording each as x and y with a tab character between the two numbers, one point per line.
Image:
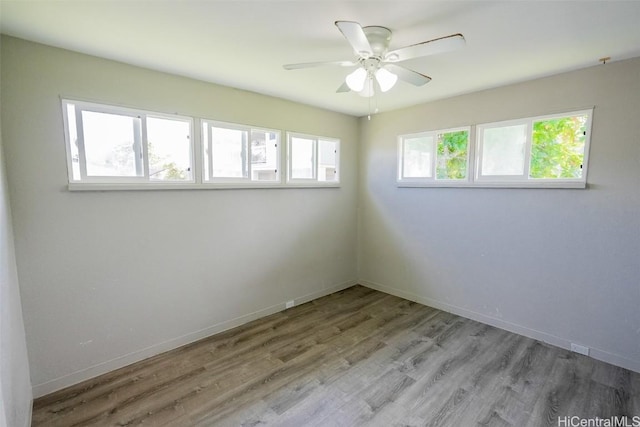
319	64
408	75
431	47
354	34
343	88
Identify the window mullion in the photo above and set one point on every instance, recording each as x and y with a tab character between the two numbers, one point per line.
471	154
243	155
401	159
137	147
196	151
527	153
434	158
144	145
278	148
336	166
210	150
479	153
82	157
288	161
314	162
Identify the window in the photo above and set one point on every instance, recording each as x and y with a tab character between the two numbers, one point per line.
546	151
313	159
121	145
558	147
117	148
503	150
535	150
241	154
434	156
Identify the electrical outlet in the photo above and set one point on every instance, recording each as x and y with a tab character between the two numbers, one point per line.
576	348
289	304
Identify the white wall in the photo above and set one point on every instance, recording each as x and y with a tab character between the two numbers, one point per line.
15	384
108	278
559	265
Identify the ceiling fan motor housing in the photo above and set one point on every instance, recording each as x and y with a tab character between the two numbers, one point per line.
379	39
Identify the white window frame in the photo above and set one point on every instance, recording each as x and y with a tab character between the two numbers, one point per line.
524	180
474	177
480	151
432	180
313	181
238	182
116	181
197	155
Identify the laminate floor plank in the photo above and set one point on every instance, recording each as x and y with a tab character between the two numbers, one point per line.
467	404
357	357
321	405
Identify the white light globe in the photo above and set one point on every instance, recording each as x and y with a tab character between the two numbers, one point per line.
356	80
386	79
368	89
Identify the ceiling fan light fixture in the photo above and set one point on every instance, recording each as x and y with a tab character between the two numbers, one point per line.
368	89
356	80
386	79
378	69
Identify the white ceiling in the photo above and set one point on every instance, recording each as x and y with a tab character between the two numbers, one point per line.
244	44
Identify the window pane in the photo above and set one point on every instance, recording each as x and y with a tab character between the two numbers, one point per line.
229	153
452	155
264	156
503	150
301	158
417	157
169	145
557	148
112	144
327	155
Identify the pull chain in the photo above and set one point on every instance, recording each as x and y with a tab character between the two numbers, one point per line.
370	83
374	95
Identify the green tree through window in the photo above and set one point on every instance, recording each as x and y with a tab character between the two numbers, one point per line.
557	148
452	155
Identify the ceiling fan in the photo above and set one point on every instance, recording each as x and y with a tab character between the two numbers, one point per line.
376	63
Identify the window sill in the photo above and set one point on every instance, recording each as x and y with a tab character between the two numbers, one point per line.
476	184
91	186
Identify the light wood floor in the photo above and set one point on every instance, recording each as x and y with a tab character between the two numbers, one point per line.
356	357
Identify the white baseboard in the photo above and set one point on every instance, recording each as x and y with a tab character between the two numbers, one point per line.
598	354
30	417
138	355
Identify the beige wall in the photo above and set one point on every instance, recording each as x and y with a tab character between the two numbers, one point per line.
15	384
558	265
108	278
